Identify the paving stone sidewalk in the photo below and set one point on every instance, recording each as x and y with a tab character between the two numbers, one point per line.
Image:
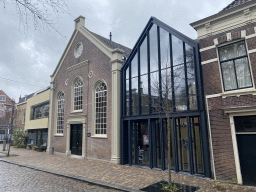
105	172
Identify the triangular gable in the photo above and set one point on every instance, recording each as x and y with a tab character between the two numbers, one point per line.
97	40
167	28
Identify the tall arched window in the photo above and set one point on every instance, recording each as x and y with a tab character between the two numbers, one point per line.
60	113
101	108
78	94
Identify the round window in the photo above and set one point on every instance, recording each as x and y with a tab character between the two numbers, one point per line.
78	50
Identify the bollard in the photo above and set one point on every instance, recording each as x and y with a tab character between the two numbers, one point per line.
4	144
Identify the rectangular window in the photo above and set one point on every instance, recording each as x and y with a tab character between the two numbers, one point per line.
23	116
235	66
2	98
40	111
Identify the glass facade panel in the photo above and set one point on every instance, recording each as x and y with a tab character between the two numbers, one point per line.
166	144
127	100
144	78
135	96
183	149
153	49
156	138
144	94
179	74
140	143
143	58
191	77
196	145
155	86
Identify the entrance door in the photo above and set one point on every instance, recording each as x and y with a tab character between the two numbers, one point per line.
246	143
76	139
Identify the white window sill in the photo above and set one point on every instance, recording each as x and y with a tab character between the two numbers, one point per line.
58	135
77	111
99	136
239	92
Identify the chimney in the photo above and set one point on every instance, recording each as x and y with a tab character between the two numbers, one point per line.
79	22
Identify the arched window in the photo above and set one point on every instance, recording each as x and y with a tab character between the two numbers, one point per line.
101	108
78	94
60	113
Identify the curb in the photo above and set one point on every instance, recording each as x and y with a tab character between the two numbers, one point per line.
74	177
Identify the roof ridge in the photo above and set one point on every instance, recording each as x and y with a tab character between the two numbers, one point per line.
234	4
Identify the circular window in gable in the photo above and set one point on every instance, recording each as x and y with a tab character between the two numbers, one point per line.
78	50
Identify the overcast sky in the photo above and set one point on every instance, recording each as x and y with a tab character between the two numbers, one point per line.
30	56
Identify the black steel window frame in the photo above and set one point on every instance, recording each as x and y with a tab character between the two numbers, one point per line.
126	120
32	114
233	59
137	50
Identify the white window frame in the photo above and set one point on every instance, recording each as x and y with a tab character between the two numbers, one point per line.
59	103
80	108
102	120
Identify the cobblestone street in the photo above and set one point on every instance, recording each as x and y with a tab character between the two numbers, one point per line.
16	178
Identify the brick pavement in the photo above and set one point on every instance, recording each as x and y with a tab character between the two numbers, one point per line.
106	172
17	178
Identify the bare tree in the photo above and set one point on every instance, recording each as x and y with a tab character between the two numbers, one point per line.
40	13
172	81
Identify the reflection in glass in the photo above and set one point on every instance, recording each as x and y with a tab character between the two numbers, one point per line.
183	149
143	58
196	145
144	94
153	49
232	51
134	66
179	74
127	91
229	77
156	143
140	143
135	96
243	73
166	145
191	77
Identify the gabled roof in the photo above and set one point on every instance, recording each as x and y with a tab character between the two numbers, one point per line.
235	4
112	44
25	98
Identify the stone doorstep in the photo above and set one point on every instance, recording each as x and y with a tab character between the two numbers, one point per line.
73	177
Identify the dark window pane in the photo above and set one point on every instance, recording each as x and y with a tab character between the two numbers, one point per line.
245	123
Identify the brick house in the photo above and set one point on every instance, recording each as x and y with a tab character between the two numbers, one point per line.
5	113
85	97
21	111
37	117
228	57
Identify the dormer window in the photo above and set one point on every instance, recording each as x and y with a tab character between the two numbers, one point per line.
235	66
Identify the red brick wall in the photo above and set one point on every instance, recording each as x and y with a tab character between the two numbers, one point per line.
223	152
99	63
